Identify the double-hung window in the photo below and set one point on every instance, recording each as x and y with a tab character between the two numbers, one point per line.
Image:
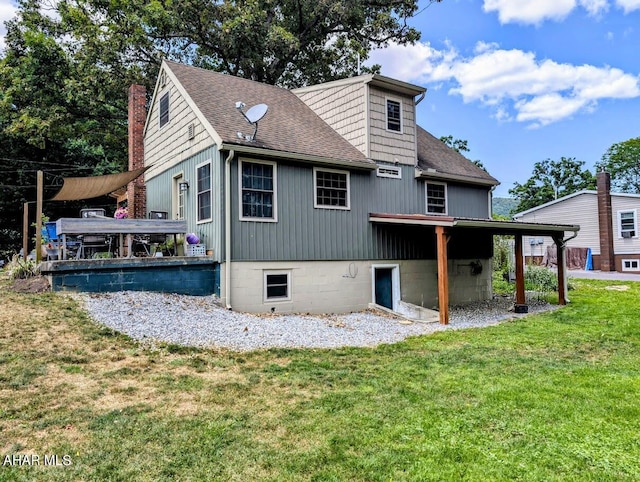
164	109
394	115
203	187
436	198
258	191
331	188
627	224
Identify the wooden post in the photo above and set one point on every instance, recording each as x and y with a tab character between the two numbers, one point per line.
519	259
443	275
25	231
40	188
562	294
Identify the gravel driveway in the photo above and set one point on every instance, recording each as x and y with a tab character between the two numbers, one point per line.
202	322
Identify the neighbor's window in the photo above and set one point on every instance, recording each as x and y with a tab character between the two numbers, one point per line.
277	285
394	115
436	198
627	223
164	109
203	181
258	187
331	188
630	265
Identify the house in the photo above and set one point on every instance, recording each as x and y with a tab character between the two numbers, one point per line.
333	199
608	226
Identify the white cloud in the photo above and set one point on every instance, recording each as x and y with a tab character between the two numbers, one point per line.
537	11
628	5
512	83
7	11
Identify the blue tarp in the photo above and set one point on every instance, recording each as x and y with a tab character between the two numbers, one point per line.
589	264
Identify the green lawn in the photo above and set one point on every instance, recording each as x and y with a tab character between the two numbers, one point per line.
547	397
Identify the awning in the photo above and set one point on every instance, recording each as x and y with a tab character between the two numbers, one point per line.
494	225
78	188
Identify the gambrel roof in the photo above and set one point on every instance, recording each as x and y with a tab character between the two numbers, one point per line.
290	127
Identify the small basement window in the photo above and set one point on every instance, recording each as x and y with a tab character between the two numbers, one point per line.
277	285
631	265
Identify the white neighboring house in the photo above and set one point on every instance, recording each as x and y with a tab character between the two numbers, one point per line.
591	211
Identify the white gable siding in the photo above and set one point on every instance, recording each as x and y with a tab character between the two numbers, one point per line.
625	245
581	210
343	108
164	148
386	145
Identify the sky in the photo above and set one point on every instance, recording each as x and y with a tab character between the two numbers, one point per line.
520	80
525	80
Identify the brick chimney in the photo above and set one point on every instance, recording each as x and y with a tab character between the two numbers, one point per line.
136	190
605	222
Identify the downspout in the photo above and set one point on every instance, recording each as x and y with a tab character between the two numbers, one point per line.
227	228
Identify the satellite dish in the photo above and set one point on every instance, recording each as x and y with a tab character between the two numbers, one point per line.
255	113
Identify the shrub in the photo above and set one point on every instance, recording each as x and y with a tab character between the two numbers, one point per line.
541	279
20	268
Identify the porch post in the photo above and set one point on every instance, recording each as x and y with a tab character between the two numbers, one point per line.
521	306
25	231
562	294
443	275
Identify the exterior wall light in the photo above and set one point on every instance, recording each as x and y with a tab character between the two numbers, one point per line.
184	186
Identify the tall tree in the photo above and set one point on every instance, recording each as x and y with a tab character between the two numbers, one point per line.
622	161
551	180
460	145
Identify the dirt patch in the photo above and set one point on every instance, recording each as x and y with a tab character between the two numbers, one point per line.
35	284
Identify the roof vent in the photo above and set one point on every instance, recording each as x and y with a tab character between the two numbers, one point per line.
252	116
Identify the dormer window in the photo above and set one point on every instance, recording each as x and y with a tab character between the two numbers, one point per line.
394	115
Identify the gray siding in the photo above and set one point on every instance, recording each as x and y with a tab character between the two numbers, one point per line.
160	191
467	201
303	232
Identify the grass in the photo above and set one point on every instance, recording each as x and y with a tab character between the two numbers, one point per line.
547	397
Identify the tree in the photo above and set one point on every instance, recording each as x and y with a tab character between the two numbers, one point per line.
551	180
460	145
622	161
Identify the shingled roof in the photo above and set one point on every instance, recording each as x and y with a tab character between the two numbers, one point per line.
437	160
289	126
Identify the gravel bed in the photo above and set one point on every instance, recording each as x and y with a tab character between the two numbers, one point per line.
201	322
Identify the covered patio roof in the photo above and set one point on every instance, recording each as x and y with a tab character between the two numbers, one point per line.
443	226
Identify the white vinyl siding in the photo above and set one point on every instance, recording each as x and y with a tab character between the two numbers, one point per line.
331	189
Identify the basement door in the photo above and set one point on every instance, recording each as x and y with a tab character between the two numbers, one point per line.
386	285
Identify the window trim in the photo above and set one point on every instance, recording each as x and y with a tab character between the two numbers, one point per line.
198	166
315	189
635	223
389	175
274	219
168	97
269	272
176	194
426	198
386	115
631	260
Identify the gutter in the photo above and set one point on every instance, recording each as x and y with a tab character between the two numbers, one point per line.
365	164
227	228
